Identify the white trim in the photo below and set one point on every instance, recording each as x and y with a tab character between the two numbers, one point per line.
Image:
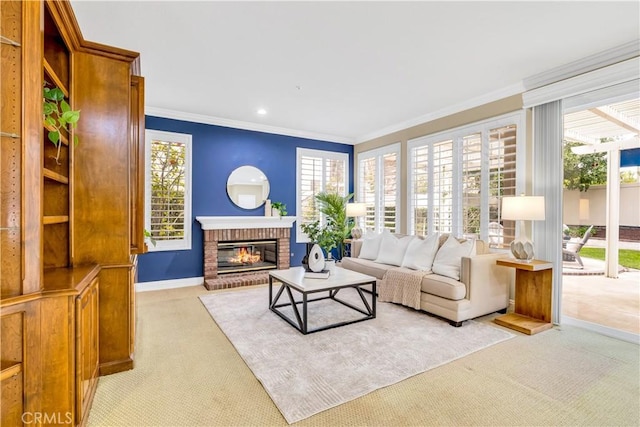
608	76
584	65
447	111
185	242
601	329
159	285
239	124
244	222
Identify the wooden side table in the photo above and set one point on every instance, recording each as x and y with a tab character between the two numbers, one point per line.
532	312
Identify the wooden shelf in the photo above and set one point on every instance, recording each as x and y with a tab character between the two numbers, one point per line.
56	80
9	369
54	176
55	219
63	137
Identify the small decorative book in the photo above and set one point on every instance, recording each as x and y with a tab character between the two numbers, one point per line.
324	274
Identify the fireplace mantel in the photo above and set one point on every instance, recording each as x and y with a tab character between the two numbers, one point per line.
244	222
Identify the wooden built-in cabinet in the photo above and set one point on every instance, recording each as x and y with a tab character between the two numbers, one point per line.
71	216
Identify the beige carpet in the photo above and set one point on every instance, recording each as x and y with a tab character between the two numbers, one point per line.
187	373
307	374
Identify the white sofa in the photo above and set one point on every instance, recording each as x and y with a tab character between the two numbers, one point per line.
483	286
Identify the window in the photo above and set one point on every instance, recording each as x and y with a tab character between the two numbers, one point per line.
318	171
378	188
457	180
168	190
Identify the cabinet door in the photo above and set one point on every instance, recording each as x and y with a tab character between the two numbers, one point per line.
86	348
137	158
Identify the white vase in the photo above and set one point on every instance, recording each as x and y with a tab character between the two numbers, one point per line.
275	212
267	207
316	259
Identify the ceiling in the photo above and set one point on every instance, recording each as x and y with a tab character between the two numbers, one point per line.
346	71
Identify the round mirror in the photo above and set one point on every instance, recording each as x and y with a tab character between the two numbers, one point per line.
248	187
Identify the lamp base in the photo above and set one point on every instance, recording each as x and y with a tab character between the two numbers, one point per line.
522	249
356	232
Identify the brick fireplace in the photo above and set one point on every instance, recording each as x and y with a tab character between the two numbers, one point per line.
240	229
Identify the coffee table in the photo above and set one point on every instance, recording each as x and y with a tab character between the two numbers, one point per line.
293	279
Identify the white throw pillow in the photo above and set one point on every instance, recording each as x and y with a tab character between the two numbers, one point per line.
449	257
370	246
420	253
392	249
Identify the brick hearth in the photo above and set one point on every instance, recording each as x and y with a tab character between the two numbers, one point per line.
211	239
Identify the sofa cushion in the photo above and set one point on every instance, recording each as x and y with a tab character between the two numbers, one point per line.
393	249
449	257
444	287
421	253
365	266
370	245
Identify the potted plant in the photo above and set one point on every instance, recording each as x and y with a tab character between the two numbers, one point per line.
332	235
58	115
280	208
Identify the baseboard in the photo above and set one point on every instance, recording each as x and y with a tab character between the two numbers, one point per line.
603	330
159	285
115	367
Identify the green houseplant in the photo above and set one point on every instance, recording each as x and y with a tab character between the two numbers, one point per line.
58	115
280	207
334	207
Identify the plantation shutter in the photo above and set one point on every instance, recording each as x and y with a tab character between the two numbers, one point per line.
389	191
502	176
420	190
169	218
318	171
442	158
471	183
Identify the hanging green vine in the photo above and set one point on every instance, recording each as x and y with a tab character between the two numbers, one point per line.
58	115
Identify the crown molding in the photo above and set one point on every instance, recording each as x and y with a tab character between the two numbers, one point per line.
453	109
611	75
238	124
602	59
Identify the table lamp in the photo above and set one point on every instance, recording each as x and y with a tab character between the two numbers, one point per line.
523	208
356	210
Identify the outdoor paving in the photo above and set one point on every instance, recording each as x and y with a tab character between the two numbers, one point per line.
590	296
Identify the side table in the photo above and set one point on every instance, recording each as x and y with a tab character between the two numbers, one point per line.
532	311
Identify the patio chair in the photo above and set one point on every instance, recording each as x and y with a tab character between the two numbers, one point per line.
570	250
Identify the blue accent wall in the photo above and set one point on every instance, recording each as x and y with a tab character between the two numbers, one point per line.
217	151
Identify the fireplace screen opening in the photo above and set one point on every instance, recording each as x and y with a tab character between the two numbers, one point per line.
235	257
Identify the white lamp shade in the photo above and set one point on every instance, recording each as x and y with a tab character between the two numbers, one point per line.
523	208
356	209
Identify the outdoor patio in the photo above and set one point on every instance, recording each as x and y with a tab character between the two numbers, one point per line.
590	296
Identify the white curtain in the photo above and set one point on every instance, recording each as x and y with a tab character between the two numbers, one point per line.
547	182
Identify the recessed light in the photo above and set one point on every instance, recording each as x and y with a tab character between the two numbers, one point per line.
262	111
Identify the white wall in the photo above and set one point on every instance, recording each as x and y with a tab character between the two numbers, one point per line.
597	196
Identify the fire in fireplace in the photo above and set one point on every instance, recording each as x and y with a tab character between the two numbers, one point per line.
236	257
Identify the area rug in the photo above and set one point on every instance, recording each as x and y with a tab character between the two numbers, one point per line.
307	374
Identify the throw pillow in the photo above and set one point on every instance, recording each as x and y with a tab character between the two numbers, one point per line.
420	253
370	245
392	249
449	257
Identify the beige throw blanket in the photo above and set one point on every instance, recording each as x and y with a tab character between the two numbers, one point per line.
402	286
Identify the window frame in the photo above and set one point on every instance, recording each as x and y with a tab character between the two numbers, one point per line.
186	139
301	237
457	135
378	154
